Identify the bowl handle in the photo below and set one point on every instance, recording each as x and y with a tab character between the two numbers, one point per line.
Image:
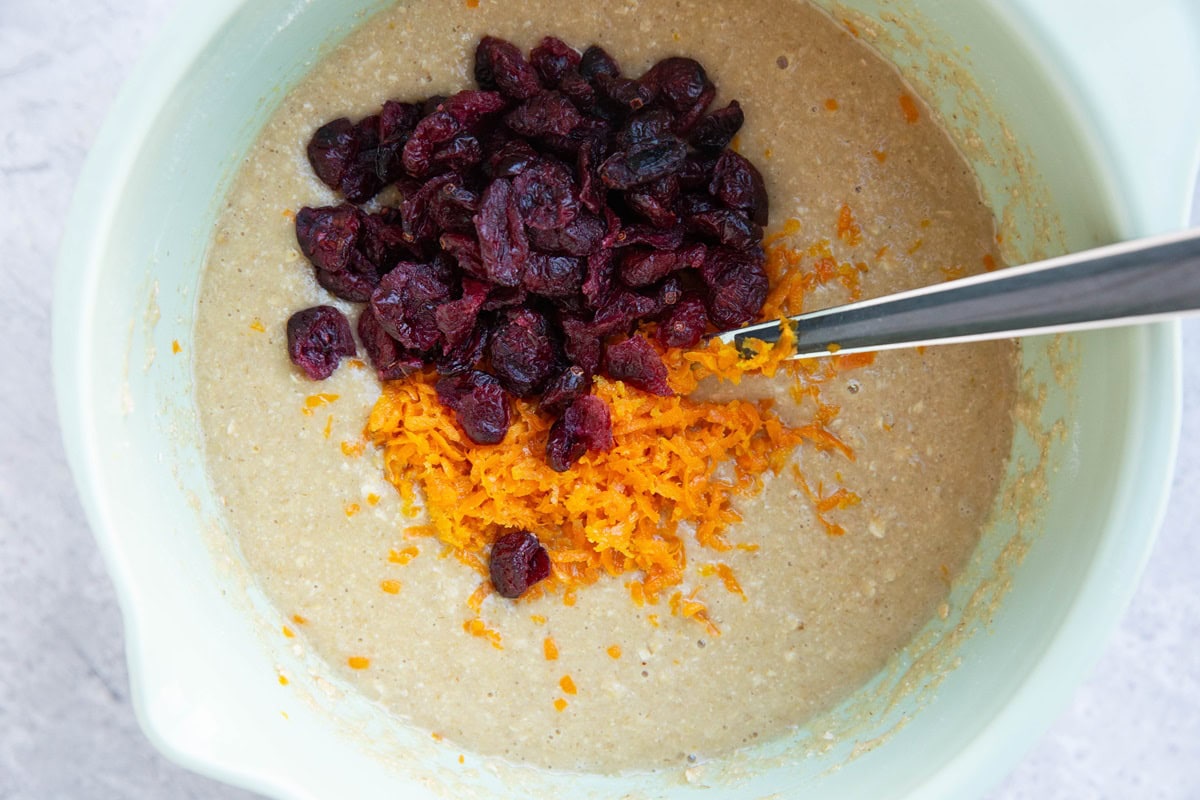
1136	68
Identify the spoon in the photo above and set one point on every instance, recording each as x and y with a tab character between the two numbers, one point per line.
1141	280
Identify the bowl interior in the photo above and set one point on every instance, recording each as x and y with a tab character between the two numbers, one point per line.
1089	470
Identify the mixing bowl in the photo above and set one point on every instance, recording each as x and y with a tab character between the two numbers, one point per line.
1073	146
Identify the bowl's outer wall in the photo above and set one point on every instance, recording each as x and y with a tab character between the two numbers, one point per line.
202	672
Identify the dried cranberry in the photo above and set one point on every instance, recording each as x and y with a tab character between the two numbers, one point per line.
716	131
459	154
503	245
622	309
739	185
479	404
570	384
582	345
595	62
456	318
452	207
397	121
684	323
658	238
643	162
656	201
406	301
523	352
501	65
553	276
725	226
465	250
327	235
643	267
517	562
597	284
579	237
547	114
466	354
637	363
380	240
505	297
318	338
553	59
391	361
585	425
686	122
353	285
627	94
737	286
679	82
546	195
456	114
511	158
332	149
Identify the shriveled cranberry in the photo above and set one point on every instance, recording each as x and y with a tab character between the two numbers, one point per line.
567	387
739	185
456	114
725	226
656	201
686	122
716	131
637	363
503	245
595	62
397	121
737	286
465	250
585	425
456	319
327	235
627	94
512	157
332	149
349	284
318	338
465	355
597	284
501	65
546	195
622	309
678	82
517	561
643	267
579	237
553	276
684	323
643	163
582	345
546	114
591	191
505	297
523	352
658	238
459	154
406	301
553	58
479	404
390	360
452	208
419	224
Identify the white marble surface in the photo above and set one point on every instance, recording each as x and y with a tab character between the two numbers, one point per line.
66	726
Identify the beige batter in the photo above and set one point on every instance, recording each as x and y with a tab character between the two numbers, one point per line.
931	431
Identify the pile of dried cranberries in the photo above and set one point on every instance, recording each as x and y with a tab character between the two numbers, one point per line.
545	217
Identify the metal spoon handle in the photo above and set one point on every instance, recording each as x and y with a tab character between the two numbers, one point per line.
1130	282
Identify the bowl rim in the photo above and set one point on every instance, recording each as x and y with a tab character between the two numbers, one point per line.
97	197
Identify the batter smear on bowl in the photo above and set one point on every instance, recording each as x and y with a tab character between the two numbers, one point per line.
525	474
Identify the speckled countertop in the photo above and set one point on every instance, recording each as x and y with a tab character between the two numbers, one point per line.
66	726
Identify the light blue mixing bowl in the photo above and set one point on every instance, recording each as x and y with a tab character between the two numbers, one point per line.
1082	118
